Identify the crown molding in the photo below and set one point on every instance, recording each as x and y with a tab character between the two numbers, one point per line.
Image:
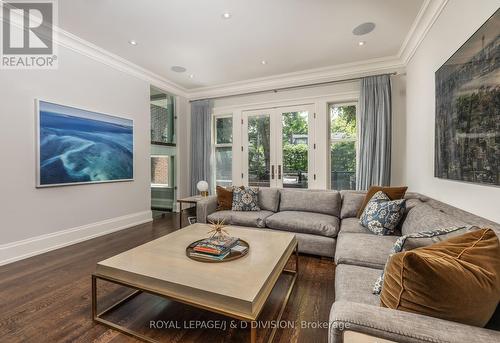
304	77
426	17
83	47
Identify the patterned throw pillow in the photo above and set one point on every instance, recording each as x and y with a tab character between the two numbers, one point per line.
245	199
420	239
381	214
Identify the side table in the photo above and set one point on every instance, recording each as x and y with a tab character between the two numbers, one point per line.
187	200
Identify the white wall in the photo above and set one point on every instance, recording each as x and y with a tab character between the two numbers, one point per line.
457	22
34	220
319	97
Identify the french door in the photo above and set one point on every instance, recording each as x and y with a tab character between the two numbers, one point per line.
276	147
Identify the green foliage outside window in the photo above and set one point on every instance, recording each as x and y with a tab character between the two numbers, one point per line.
343	126
343	120
343	147
294	154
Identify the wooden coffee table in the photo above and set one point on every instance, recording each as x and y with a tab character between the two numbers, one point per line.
161	267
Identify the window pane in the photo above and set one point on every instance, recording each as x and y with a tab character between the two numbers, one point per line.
295	149
343	147
159	170
223	166
224	127
259	151
343	165
162	117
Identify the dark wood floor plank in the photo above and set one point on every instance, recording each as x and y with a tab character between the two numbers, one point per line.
46	298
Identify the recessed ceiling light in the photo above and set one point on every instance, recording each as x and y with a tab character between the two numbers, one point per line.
178	69
263	62
132	42
191	76
226	15
363	29
361	43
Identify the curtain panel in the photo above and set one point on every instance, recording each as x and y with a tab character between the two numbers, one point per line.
201	137
375	125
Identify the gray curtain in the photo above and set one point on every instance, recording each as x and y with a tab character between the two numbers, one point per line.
375	124
201	116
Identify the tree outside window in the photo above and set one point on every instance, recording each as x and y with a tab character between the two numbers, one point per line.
223	150
343	139
295	149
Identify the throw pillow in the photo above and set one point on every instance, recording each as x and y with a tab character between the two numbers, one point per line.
224	198
421	239
245	199
456	280
382	215
394	193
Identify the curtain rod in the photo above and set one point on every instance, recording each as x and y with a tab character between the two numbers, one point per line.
276	90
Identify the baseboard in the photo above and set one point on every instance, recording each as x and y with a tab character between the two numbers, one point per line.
19	250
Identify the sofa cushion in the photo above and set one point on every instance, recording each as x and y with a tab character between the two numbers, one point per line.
425	218
382	215
317	201
304	222
245	199
219	216
352	225
457	279
367	250
269	199
243	218
354	283
394	193
316	245
351	203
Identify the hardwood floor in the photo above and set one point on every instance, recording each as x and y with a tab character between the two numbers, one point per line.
46	298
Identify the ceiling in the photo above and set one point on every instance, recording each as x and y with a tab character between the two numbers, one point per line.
290	35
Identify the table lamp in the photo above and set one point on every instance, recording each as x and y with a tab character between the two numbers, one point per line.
202	188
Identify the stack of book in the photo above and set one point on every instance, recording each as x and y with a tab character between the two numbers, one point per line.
215	249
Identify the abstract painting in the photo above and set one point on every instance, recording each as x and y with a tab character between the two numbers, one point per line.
467	145
77	146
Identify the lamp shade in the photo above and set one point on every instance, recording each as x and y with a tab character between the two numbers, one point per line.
202	186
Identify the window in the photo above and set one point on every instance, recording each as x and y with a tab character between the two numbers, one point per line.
343	143
295	138
223	150
160	171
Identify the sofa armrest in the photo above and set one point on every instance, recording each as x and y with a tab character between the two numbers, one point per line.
400	326
205	207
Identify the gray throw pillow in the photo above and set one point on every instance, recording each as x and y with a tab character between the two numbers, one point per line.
245	199
418	240
381	215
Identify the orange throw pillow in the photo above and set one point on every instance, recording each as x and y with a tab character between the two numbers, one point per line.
457	279
224	198
394	193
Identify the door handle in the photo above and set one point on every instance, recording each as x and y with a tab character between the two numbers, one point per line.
279	172
272	172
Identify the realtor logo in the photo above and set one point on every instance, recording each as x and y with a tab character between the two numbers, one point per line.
28	34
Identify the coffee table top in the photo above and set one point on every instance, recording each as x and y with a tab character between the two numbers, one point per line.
238	288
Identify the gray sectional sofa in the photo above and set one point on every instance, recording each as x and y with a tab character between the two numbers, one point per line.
312	215
325	224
